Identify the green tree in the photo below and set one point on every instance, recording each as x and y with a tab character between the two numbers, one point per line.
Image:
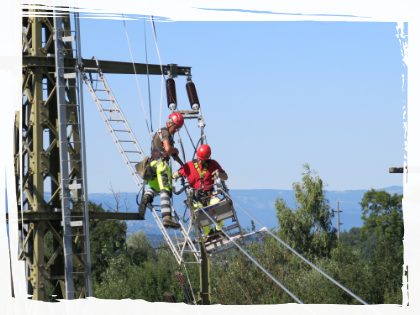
384	214
308	227
106	237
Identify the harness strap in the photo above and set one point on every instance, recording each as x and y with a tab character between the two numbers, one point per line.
201	173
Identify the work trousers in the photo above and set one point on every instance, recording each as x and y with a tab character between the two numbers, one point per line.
162	184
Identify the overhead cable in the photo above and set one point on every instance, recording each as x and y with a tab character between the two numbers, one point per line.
256	262
311	264
148	76
160	63
135	74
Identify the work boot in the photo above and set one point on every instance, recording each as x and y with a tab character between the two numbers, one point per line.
168	222
143	206
208	237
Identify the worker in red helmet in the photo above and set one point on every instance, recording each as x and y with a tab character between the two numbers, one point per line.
200	174
162	149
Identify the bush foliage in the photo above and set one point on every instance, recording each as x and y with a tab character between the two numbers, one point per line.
368	261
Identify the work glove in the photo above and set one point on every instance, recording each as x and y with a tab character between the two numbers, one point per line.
176	175
216	174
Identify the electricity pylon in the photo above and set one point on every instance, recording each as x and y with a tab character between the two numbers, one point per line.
40	188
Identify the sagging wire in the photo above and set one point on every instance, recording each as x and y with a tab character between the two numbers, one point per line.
135	74
186	129
160	64
303	258
249	256
148	77
231	273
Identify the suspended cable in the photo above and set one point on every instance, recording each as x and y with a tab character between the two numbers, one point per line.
303	258
248	255
231	273
148	77
160	64
190	137
135	74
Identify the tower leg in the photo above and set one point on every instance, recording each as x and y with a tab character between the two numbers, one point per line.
204	294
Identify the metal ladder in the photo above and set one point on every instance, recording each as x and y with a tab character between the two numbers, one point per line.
73	184
113	115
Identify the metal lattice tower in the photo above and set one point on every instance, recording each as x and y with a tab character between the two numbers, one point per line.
50	173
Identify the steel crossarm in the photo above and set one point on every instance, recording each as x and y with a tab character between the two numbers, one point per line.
73	185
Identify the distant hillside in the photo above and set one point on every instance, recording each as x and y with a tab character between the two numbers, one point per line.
259	203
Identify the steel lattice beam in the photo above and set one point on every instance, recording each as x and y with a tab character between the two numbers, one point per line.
106	66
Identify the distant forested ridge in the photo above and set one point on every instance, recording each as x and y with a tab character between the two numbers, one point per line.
367	260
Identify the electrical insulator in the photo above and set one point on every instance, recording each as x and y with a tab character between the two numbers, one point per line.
192	95
171	93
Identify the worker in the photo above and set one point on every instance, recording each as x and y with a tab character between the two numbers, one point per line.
200	174
162	149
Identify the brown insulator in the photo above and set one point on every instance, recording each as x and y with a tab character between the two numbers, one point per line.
192	95
171	93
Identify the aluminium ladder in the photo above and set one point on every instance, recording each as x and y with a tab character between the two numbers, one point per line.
73	182
127	143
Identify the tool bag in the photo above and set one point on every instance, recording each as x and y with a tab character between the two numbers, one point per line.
146	171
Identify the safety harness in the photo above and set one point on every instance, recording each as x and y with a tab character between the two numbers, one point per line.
201	173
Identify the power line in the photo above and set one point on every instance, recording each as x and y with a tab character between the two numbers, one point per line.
304	259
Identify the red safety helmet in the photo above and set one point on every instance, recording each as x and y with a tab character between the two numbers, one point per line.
204	152
177	119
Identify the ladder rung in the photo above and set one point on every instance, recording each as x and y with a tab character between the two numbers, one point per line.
95	80
133	151
116	120
121	130
134	162
126	141
105	99
111	110
99	90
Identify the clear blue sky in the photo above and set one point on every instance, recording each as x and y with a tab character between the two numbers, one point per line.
275	95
